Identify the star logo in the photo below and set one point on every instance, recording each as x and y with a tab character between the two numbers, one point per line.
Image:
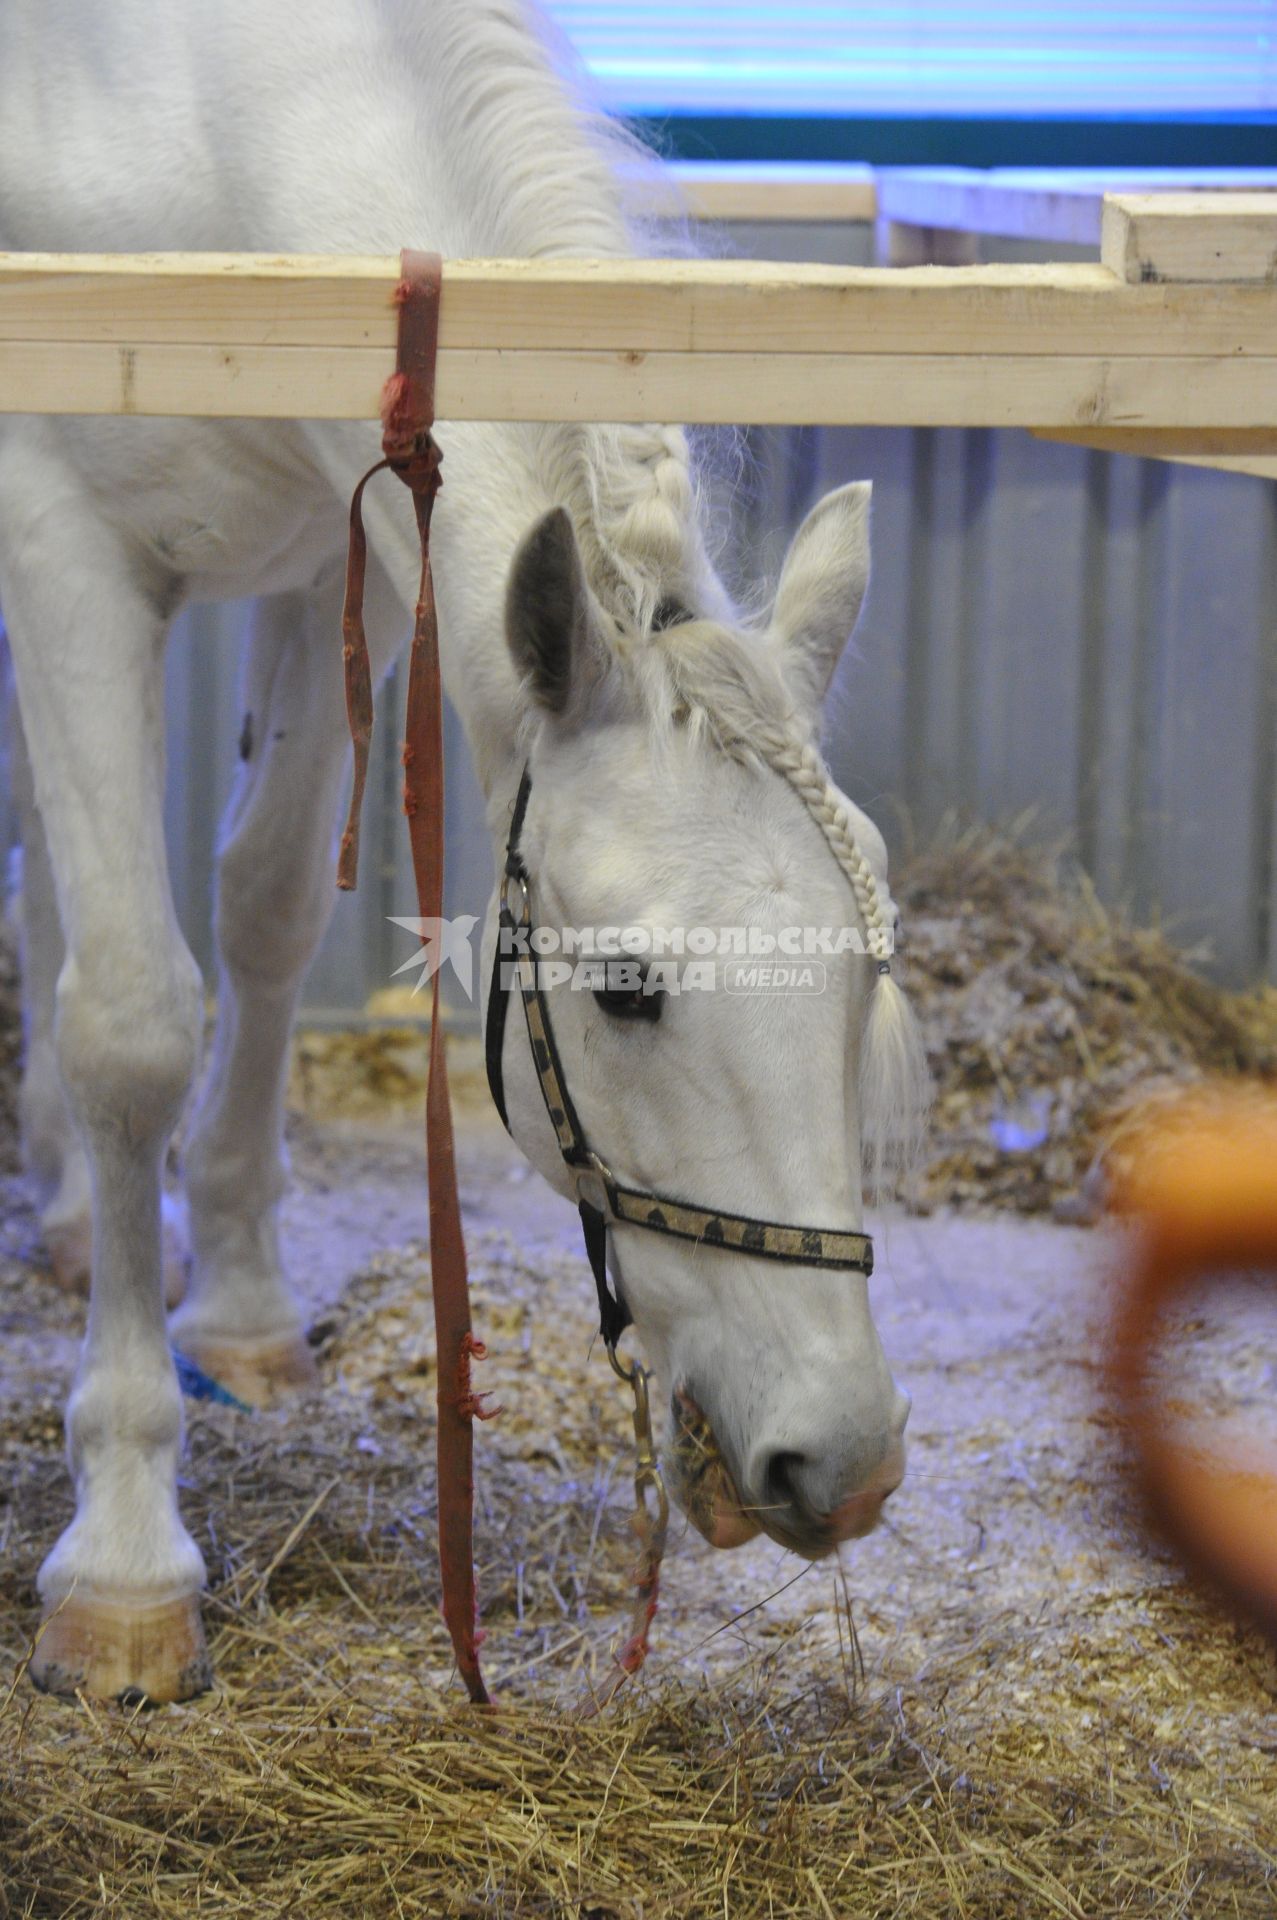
443	943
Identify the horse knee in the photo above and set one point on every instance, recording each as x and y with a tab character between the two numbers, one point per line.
128	1039
269	924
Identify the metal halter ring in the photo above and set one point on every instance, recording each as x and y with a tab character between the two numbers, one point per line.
647	1468
620	1369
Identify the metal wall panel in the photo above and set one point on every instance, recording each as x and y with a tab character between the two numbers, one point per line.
1087	637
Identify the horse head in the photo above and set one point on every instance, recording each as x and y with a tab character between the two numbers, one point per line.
711	941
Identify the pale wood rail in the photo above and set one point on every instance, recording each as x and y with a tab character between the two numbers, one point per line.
1059	206
1217	225
795	192
1175	236
1067	347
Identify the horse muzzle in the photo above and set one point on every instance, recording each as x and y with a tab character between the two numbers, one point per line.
707	1490
701	1480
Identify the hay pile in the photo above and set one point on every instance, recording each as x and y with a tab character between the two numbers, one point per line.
743	1802
1048	1021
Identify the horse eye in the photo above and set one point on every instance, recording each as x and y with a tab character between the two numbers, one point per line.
632	1005
622	992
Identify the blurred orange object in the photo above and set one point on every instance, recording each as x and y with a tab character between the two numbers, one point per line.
1203	1190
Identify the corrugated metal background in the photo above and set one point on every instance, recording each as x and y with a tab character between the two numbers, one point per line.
1087	636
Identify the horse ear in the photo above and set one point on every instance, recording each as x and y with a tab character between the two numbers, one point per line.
549	616
822	587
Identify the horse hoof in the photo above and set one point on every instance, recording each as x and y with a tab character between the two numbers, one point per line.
259	1372
120	1650
70	1246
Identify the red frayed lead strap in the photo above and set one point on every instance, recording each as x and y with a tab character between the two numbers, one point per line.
411	453
354	653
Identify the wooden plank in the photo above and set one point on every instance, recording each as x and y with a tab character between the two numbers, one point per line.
630	306
712	341
1230	450
1159	442
1057	205
1261	466
962	388
1057	208
1217	237
797	192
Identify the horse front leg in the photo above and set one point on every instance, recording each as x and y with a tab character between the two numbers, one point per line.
51	1144
276	886
120	1586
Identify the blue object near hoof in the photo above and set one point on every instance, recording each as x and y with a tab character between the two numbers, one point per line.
1021	1125
198	1385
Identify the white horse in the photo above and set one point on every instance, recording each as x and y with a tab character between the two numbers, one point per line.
675	776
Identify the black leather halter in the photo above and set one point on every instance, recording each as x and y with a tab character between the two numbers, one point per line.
601	1198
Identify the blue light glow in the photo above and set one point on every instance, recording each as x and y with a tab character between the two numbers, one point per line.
930	56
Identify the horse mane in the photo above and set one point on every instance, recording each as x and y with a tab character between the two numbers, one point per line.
732	687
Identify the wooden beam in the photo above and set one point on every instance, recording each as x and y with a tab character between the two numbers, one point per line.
1159	442
1260	466
1059	206
1232	450
796	192
626	306
1214	237
962	388
694	340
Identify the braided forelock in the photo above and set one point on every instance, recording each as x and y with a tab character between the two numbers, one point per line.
801	764
734	693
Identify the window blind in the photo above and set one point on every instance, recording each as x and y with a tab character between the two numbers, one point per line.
994	57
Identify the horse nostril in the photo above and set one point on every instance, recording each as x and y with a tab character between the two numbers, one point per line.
781	1479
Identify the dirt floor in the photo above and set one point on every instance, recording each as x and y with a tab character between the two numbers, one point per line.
1005	1702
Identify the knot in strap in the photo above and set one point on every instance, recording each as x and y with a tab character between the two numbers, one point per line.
418	468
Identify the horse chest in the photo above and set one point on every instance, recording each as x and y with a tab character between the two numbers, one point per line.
226	509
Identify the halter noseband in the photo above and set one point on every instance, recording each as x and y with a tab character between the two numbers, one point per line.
601	1198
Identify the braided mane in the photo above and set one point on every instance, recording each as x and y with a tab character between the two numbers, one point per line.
804	768
730	687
